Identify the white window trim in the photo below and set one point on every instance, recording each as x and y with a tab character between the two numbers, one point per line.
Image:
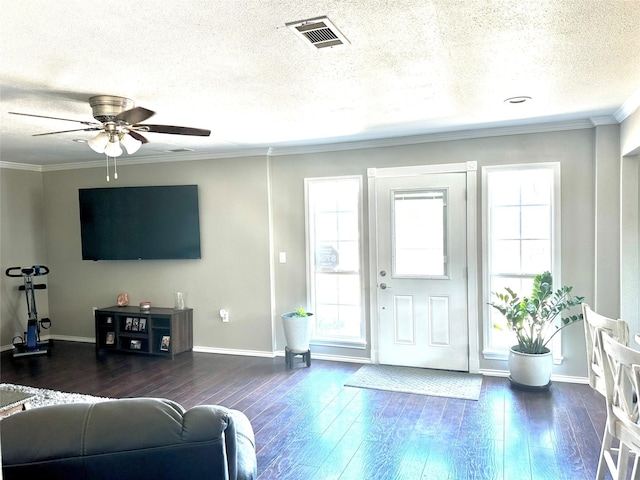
488	352
360	343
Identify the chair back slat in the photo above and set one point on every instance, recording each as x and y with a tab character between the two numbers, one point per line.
622	382
616	328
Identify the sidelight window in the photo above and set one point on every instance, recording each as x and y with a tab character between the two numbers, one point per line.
334	257
521	237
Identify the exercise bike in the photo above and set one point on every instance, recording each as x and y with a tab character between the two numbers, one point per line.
31	344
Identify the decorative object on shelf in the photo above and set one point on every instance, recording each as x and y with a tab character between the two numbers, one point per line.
297	330
110	340
179	300
123	299
136	345
142	325
165	342
145	305
535	320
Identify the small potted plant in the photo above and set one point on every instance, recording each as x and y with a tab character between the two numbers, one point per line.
535	320
297	329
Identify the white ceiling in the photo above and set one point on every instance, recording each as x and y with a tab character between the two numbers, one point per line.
413	67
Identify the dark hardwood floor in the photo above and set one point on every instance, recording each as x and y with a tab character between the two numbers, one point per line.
309	426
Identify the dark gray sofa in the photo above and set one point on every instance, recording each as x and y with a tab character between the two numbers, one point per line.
141	438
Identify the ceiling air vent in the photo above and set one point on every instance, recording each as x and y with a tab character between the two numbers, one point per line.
318	32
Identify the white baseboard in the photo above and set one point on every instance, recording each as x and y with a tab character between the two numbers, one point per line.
230	351
554	378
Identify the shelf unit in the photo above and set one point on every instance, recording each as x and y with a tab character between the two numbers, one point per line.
156	331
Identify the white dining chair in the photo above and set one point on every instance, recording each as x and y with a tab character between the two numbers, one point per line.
616	328
621	373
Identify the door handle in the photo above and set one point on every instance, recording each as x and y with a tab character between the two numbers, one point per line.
383	286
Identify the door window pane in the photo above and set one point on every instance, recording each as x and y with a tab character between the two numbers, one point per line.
419	226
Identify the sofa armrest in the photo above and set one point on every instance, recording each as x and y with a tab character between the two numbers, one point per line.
238	436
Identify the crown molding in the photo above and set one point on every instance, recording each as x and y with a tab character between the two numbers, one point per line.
628	107
603	120
21	166
436	137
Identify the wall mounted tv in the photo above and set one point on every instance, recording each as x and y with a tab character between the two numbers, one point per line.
140	223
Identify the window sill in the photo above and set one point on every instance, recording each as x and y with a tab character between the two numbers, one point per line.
357	344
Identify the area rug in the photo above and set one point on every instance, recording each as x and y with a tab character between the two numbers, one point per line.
422	381
43	397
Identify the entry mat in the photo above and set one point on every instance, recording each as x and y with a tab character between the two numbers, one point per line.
422	381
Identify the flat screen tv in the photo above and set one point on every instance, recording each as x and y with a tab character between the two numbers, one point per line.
140	223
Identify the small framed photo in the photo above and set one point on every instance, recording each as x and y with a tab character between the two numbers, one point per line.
135	324
110	338
127	323
136	345
164	344
142	325
109	320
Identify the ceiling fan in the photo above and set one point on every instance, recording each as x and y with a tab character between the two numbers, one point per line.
119	124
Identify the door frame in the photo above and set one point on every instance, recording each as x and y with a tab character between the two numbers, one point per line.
470	169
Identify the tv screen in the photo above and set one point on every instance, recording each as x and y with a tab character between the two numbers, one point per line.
140	223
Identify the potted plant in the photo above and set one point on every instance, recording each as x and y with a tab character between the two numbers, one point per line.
535	320
297	330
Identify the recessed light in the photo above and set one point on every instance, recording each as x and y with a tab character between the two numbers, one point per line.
516	100
79	140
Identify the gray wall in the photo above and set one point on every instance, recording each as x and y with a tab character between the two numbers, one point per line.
236	269
574	149
22	244
233	272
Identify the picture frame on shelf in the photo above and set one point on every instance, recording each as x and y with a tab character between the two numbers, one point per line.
135	324
164	343
110	338
142	325
136	345
127	323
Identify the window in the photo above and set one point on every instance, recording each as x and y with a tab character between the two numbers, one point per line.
419	243
334	257
521	237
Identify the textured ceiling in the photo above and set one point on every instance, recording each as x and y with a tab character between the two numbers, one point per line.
412	67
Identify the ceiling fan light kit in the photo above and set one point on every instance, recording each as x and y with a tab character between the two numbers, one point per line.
119	125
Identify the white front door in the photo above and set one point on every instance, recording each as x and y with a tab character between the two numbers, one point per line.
421	271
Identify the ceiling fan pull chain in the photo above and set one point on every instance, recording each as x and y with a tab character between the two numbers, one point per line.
115	168
107	157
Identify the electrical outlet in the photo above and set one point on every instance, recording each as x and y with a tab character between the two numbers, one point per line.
224	315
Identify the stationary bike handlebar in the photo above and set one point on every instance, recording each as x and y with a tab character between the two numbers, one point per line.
35	271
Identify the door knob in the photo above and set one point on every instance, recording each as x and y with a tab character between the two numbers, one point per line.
384	286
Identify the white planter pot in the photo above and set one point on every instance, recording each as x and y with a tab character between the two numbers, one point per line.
530	370
297	331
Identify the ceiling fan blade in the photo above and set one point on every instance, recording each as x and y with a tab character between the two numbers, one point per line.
54	118
199	132
138	137
134	115
67	131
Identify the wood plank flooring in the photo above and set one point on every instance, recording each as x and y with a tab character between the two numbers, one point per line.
309	426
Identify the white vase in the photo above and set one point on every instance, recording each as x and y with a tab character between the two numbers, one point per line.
530	370
297	331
